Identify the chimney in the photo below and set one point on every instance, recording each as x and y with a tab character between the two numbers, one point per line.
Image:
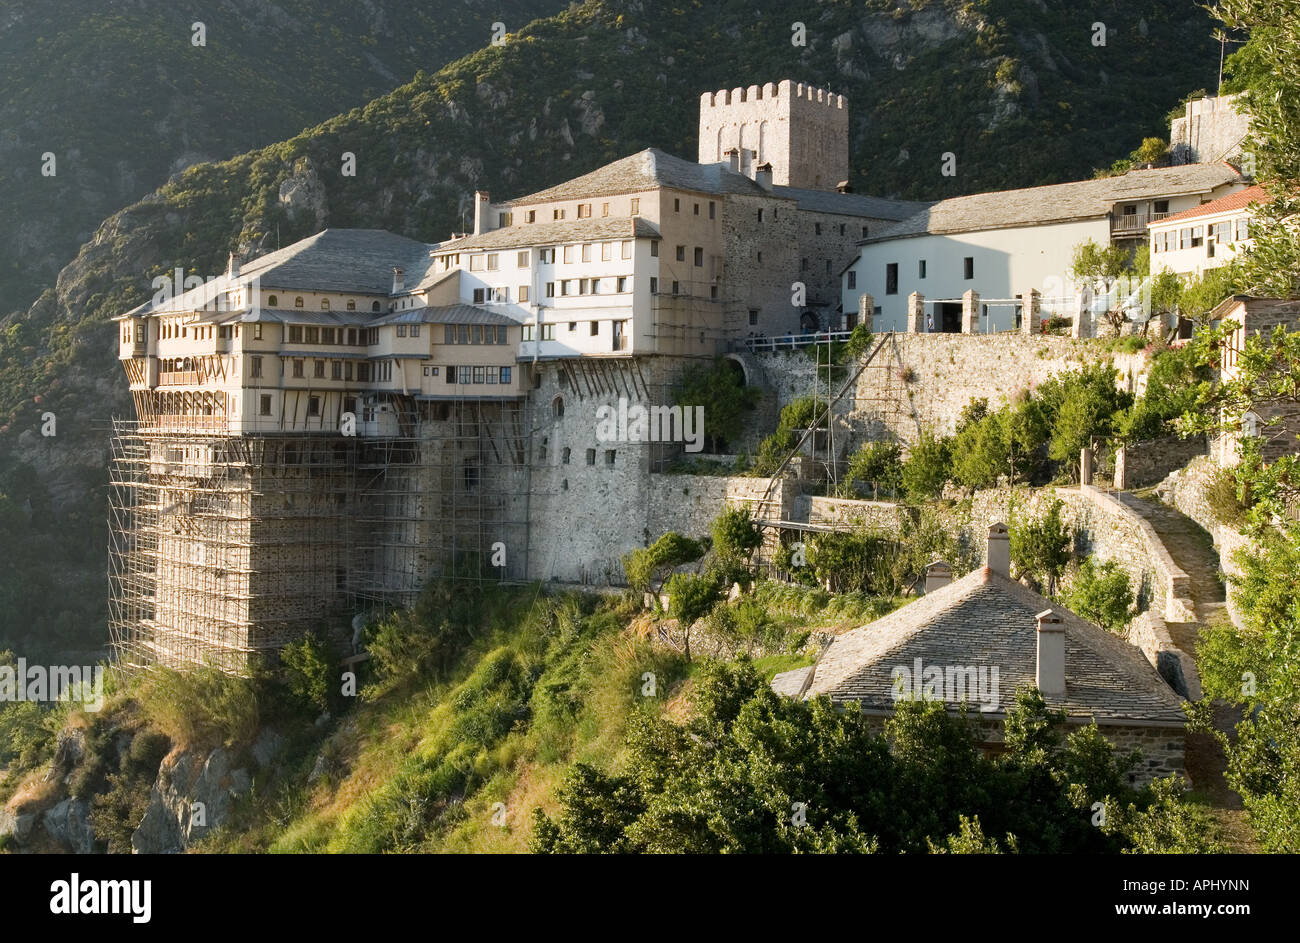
733	159
763	176
937	575
1050	676
482	205
999	555
399	280
232	266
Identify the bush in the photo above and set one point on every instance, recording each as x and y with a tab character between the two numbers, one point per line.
202	707
309	672
1223	497
878	465
1101	594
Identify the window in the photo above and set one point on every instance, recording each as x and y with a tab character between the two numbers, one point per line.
547	256
297	368
699	257
496	296
522	259
852	280
257	367
636	207
463	374
531	216
480	295
1198	236
582	286
891	278
257	332
595	286
1243	229
584	211
352	304
604	209
920	268
374	306
817	229
336	369
318	368
324	304
591	456
347	372
493	262
760	216
828	266
681	253
264	405
586	252
569	254
713	210
677	287
753	317
272	301
363	373
606	251
803	265
523	293
609	456
968	267
312	334
565	454
505	374
654	248
504	219
621	284
864	232
451	375
548	332
297	302
401	330
842	229
677	206
480	374
595	328
557	214
654	285
313	405
327	335
1184	238
697	209
415	330
627	248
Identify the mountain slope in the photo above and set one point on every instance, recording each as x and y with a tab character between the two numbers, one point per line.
122	97
1015	89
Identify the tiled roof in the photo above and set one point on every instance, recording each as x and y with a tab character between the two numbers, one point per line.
1224	204
1060	202
557	232
646	170
850	204
985	619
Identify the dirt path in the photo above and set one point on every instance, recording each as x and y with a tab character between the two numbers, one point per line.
1193	551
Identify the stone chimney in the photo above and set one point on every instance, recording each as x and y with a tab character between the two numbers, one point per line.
482	205
999	553
1050	675
733	159
232	266
763	176
937	575
399	281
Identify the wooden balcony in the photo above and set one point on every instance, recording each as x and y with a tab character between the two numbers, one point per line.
1133	224
179	378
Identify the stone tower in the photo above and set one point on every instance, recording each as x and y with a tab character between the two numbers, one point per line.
802	131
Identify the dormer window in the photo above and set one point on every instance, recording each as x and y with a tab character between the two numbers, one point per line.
297	302
352	304
324	304
374	306
272	301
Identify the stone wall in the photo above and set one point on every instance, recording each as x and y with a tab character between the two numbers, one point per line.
1142	464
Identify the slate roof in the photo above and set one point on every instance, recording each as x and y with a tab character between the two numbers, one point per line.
557	232
446	314
987	619
646	170
1224	204
851	204
1060	202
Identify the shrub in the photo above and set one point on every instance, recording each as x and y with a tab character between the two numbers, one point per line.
1223	497
877	464
309	672
202	707
1042	547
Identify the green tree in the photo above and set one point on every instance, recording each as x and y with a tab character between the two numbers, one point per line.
647	567
878	465
928	467
1102	594
1042	546
309	672
720	389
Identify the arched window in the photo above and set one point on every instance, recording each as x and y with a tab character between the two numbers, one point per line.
297	302
324	304
374	306
272	300
557	407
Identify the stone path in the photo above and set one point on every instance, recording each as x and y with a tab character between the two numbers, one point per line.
1193	551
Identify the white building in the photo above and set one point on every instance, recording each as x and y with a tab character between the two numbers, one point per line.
1205	236
1004	243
